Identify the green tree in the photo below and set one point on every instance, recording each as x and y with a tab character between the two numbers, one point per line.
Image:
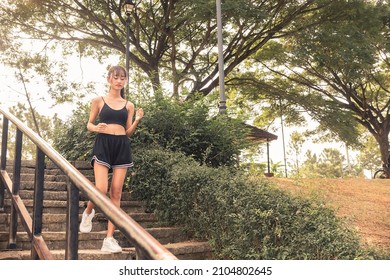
172	41
369	156
296	142
46	124
37	81
330	163
338	72
309	167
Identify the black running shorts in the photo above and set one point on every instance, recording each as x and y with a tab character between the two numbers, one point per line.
112	151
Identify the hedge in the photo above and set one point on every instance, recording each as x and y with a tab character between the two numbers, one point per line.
242	218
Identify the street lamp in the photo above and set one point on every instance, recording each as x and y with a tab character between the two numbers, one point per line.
128	7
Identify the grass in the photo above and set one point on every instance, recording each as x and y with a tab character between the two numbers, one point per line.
365	204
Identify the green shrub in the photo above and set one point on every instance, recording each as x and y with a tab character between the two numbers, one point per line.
187	128
152	166
242	218
190	129
72	139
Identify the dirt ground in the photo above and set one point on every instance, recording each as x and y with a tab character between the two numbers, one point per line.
364	203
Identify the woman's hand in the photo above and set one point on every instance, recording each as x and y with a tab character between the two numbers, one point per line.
139	114
100	127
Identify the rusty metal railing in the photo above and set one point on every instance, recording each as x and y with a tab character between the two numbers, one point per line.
147	247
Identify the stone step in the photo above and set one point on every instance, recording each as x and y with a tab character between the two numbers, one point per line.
28	167
59	207
188	250
48	172
54	221
51	182
30	177
81	165
93	240
57	222
26	194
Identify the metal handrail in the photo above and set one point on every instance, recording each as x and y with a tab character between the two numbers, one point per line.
147	247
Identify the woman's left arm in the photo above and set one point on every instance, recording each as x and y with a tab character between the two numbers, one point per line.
131	126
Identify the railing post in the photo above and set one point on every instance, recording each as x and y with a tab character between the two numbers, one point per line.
16	188
38	198
3	163
72	222
140	255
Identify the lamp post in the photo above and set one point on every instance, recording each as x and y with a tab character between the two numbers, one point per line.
128	7
222	102
284	145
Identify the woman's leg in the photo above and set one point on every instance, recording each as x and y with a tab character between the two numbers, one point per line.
117	180
101	182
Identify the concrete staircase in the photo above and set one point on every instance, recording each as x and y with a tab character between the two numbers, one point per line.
54	222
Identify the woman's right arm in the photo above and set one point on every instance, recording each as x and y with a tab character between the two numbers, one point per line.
93	115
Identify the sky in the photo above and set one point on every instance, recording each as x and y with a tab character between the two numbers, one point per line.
90	71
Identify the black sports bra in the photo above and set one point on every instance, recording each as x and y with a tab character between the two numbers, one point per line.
110	116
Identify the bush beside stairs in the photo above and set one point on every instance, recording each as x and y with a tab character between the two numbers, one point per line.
54	222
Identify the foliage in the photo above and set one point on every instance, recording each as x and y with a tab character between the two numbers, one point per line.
369	156
71	138
173	42
39	78
333	71
276	168
241	217
44	122
186	127
337	72
189	128
326	47
39	72
296	141
328	164
331	164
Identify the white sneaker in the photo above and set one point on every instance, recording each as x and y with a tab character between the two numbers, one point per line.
86	221
111	245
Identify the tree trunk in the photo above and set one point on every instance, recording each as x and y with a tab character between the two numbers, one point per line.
384	147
